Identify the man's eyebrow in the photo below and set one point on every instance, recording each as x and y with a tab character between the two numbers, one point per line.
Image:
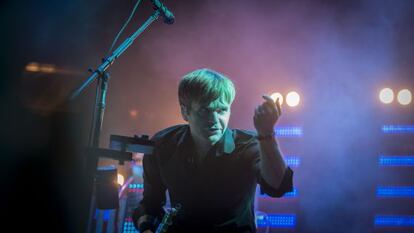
218	106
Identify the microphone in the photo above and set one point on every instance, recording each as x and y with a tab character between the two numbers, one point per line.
166	14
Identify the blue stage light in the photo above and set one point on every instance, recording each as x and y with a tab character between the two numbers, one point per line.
106	214
395	191
289	131
136	186
292	161
397	129
277	221
394	221
129	227
292	194
394	160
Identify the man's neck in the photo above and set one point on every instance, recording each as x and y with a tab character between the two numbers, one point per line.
201	147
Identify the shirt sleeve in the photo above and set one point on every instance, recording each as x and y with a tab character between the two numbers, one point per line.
285	187
287	181
153	200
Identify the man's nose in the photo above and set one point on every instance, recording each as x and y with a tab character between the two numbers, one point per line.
213	117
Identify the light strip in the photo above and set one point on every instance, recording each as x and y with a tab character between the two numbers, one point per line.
292	161
289	131
395	191
396	160
397	129
136	186
394	221
277	220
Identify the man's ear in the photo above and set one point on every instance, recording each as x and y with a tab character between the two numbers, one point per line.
184	112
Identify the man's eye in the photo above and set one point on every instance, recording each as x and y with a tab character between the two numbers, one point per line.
203	110
222	110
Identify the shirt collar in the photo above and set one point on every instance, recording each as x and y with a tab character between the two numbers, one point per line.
226	145
227	141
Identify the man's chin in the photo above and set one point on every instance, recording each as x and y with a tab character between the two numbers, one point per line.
213	139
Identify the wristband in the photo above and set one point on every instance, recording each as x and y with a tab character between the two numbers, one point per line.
267	136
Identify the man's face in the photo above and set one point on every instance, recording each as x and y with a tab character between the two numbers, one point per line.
209	121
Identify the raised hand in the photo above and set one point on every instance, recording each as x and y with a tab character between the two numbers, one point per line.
266	115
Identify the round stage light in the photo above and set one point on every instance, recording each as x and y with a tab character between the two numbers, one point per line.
404	96
292	99
277	95
133	113
386	95
121	179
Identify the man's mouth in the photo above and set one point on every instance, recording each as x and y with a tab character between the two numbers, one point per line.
213	129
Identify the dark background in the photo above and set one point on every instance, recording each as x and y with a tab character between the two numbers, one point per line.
336	54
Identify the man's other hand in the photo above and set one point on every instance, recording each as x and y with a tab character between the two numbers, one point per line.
266	115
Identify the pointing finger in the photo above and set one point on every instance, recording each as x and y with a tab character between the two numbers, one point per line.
279	108
268	99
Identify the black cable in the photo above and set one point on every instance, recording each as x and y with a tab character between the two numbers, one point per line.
123	28
92	129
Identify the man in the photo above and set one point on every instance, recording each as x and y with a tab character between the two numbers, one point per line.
211	170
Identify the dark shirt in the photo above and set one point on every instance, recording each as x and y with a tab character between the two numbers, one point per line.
217	194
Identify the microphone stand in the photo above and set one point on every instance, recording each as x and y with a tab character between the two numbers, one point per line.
107	62
99	108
